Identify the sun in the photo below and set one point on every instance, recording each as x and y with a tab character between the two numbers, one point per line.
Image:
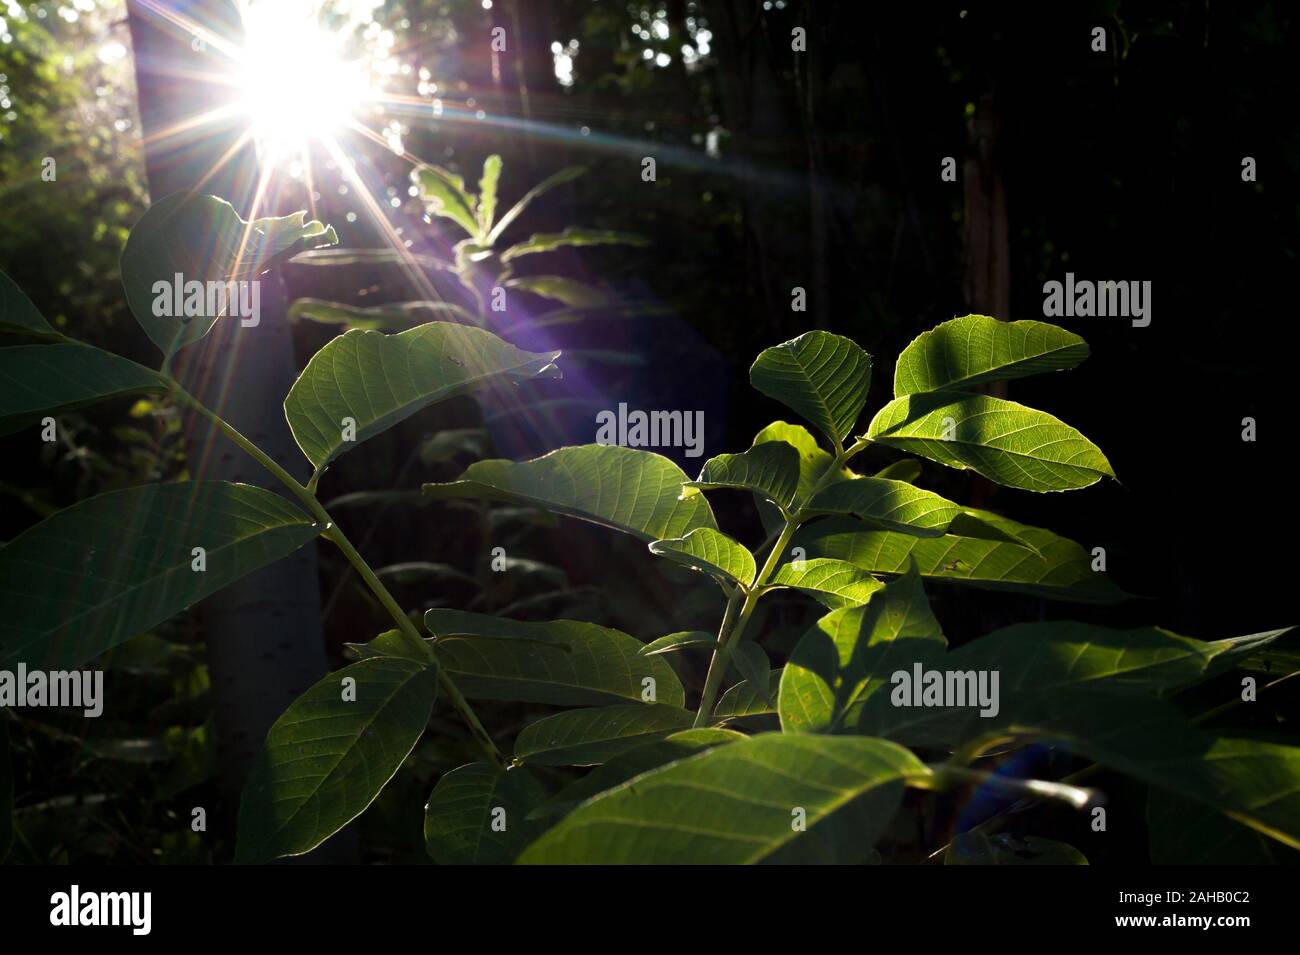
295	84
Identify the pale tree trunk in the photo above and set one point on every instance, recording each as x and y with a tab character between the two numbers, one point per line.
264	645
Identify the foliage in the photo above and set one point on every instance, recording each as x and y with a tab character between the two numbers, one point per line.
809	762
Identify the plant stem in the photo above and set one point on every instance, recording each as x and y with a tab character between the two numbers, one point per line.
732	629
733	625
333	533
718	662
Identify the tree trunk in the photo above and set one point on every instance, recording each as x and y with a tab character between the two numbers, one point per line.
987	284
264	645
767	155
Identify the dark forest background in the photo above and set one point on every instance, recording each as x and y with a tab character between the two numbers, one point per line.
775	169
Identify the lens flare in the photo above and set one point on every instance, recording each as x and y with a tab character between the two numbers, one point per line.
295	83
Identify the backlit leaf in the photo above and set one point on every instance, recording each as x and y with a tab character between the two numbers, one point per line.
975	349
710	551
40	380
564	662
377	380
736	804
679	641
742	699
849	653
627	489
568	291
1057	568
823	377
392	317
591	736
444	193
1005	442
770	469
330	753
202	238
572	236
112	566
847	584
463	807
18	316
487	194
751	662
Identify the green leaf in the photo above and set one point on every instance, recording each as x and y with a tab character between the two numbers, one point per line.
567	174
572	236
813	461
679	641
823	377
738	804
977	848
908	469
634	762
770	469
563	662
567	291
451	443
1005	442
843	583
1098	692
422	571
707	735
395	316
627	489
202	238
750	661
330	753
744	699
1057	568
444	194
710	551
974	349
378	380
848	654
487	195
112	566
1254	783
459	817
899	506
592	736
18	316
394	643
890	505
1039	664
1185	832
39	380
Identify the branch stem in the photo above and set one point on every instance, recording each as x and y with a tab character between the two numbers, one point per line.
335	534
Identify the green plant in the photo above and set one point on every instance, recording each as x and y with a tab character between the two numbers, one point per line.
669	783
478	262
